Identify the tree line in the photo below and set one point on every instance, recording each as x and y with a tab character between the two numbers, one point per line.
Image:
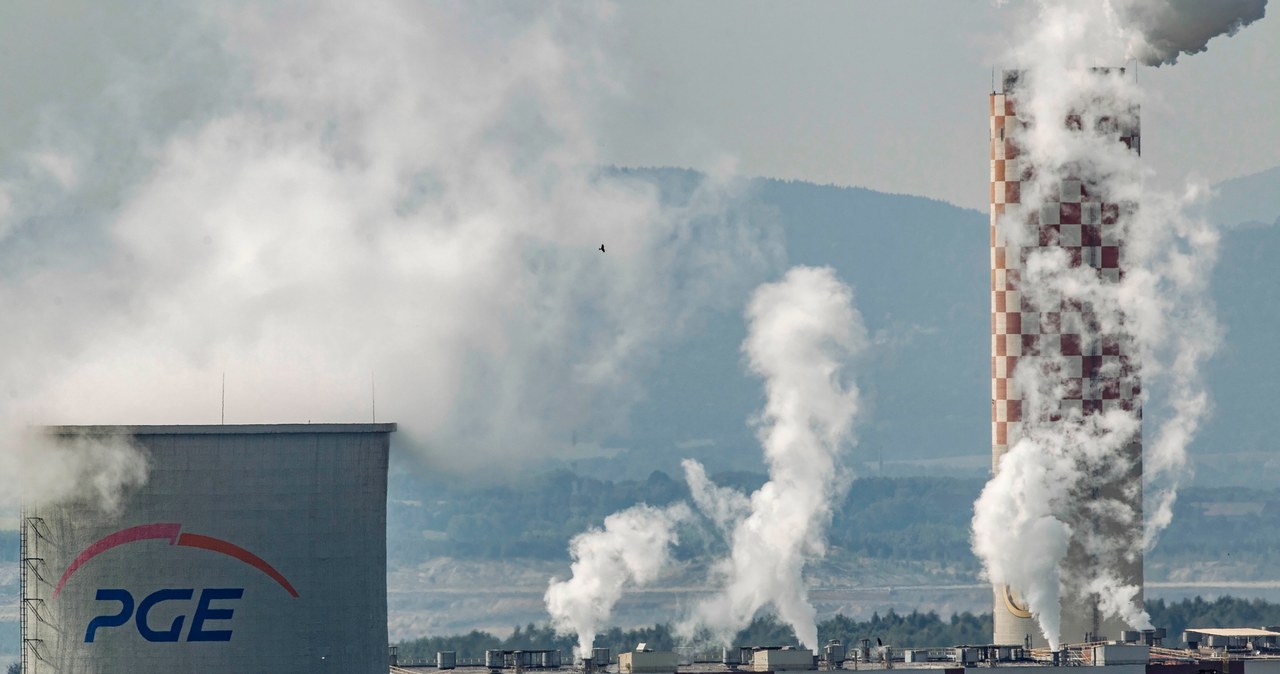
910	630
911	519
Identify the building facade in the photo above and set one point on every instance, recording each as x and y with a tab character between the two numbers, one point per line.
249	549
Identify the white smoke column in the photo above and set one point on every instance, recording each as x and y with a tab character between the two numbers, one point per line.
631	550
725	507
803	331
398	189
1055	494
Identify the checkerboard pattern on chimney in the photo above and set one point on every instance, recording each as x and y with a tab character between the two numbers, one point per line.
1097	372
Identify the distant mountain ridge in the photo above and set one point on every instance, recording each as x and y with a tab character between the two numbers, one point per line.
1248	201
919	269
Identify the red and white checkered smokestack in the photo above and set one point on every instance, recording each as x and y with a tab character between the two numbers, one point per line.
1080	218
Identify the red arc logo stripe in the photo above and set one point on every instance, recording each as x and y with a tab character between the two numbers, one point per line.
233	550
141	532
172	532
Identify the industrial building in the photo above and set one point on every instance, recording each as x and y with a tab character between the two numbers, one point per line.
646	661
252	548
1080	218
1236	651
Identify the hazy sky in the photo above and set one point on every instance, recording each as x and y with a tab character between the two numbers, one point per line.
887	94
892	95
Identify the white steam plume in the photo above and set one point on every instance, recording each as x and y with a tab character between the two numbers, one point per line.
631	550
802	333
1058	522
725	507
1162	30
404	189
94	468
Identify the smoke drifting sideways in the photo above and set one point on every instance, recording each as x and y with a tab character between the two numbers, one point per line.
1065	490
80	466
803	333
1161	31
632	549
403	191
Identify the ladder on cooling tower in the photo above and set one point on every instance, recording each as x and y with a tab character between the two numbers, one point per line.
32	566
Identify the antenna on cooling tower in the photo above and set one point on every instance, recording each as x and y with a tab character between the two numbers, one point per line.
373	398
224	397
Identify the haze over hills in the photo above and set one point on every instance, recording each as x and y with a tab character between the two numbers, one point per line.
480	555
1248	201
919	271
897	252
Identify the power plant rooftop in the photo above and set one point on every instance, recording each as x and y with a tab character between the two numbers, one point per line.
1232	651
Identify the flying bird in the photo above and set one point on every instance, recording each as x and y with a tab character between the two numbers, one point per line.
602	248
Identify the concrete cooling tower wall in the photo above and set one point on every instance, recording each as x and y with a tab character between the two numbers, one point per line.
249	549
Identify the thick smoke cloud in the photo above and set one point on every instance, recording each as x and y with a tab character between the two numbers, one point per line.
1056	524
1162	30
803	332
400	191
632	549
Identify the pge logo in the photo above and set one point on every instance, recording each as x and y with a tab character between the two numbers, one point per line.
205	610
197	633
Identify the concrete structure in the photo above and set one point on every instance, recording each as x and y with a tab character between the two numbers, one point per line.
1109	658
647	662
1235	639
523	659
1260	666
834	654
1121	654
1085	222
249	549
783	660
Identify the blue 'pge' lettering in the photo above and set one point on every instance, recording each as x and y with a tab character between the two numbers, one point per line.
205	612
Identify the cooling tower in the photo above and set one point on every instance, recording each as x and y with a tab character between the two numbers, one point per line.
248	549
1082	219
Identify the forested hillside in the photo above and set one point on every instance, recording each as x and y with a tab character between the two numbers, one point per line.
881	518
909	630
919	270
1226	534
913	629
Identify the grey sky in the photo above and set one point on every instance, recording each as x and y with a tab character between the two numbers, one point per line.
886	94
891	95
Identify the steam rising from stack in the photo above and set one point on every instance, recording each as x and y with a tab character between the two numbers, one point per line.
1068	484
803	332
631	550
